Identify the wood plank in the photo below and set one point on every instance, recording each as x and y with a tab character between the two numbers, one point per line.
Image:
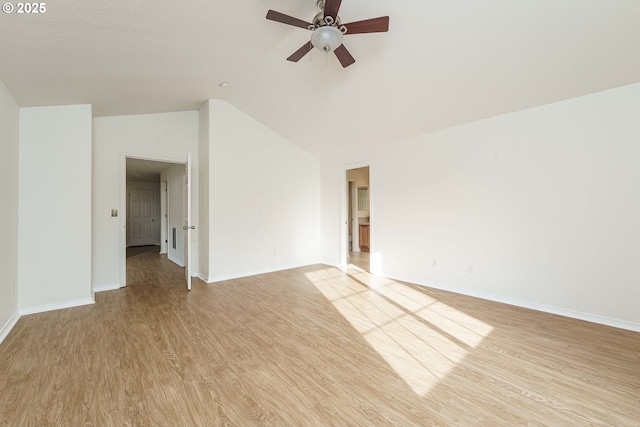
310	346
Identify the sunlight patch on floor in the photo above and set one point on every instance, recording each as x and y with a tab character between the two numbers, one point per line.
421	338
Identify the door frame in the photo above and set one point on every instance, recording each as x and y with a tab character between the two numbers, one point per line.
352	214
164	217
188	226
343	250
122	204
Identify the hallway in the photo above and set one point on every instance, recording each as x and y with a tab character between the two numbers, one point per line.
361	260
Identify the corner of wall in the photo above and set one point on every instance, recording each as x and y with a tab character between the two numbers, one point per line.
264	195
8	326
204	143
9	194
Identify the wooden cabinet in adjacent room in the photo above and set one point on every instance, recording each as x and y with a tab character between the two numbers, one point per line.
364	237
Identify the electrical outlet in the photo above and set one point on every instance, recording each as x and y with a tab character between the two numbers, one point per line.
434	263
470	268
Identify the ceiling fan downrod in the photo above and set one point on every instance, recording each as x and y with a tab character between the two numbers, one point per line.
320	20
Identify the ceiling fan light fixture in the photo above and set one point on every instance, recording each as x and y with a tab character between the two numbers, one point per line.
326	38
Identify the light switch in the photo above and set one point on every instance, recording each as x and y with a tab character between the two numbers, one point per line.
114	212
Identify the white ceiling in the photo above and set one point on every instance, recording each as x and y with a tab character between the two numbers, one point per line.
442	63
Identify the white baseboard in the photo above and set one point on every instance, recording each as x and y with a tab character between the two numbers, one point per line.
170	258
593	318
8	326
202	277
57	306
110	287
254	273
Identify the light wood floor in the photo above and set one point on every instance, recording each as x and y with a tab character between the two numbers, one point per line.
360	260
313	346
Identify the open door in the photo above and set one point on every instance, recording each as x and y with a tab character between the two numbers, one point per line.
187	227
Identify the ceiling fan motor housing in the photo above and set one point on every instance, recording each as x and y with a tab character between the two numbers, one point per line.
327	32
326	38
321	21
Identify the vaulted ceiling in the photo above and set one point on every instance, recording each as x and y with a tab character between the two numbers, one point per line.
442	63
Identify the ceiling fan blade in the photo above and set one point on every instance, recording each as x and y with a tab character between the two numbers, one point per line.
344	56
286	19
300	53
374	25
331	8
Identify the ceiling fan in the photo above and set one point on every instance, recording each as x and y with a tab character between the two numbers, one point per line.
328	30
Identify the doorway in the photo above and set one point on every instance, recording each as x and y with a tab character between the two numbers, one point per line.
358	217
157	209
143	202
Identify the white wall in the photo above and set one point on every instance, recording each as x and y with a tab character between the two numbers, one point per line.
264	198
164	137
9	125
174	177
203	181
54	229
544	203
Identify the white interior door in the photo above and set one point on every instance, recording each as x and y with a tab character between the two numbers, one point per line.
188	227
142	217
